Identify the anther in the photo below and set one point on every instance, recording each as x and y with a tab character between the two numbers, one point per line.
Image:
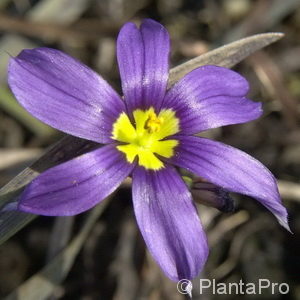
153	123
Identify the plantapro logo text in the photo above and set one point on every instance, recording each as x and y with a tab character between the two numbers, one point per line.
206	286
241	288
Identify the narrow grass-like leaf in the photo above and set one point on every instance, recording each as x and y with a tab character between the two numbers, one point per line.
69	147
66	149
226	56
41	285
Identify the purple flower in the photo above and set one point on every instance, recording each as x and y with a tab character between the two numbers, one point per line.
147	135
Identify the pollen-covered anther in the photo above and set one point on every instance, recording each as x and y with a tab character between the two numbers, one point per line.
153	123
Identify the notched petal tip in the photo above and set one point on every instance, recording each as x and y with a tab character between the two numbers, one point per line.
143	55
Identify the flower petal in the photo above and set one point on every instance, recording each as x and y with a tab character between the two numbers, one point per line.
143	57
130	54
210	97
169	222
156	73
77	185
65	94
232	170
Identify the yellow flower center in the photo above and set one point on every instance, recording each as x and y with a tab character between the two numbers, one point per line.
145	139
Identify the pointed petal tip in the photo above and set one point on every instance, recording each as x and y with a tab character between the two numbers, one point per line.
233	170
282	215
65	94
284	223
174	237
66	190
27	209
11	206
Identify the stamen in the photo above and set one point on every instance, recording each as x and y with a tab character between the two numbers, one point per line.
153	122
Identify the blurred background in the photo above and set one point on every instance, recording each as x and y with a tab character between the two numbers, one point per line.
113	263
